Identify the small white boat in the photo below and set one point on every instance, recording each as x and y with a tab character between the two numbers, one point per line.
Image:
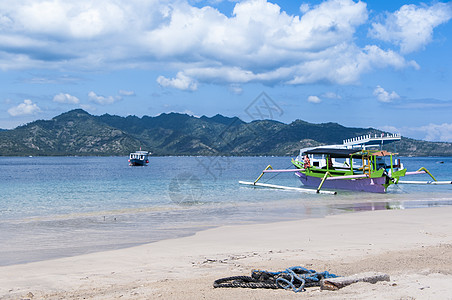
139	158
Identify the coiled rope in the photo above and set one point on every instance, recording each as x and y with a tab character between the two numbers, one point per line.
294	278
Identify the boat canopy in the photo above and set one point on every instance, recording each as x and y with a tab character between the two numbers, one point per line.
383	153
332	152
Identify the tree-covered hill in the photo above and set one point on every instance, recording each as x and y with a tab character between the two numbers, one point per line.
79	133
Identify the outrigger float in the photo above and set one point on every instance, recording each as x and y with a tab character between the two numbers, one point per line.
353	165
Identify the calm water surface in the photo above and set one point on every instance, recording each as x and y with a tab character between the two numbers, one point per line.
62	206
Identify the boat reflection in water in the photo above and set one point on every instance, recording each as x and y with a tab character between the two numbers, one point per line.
390	205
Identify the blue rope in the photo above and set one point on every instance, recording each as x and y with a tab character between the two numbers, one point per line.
295	277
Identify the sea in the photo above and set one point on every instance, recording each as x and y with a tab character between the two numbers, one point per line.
52	207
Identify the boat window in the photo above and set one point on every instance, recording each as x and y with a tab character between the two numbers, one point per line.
339	160
382	162
342	163
356	163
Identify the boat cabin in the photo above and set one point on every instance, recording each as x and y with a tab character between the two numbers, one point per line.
347	161
138	155
139	158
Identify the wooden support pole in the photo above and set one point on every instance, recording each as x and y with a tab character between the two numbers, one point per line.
323	180
424	169
262	174
334	284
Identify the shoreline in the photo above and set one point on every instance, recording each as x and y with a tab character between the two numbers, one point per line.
413	246
66	250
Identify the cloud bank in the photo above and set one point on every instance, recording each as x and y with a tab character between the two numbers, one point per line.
431	132
257	43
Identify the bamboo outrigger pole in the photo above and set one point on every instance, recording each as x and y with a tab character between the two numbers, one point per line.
423	171
425	182
269	169
281	187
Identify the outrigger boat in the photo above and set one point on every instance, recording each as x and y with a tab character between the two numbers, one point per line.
139	158
354	165
349	169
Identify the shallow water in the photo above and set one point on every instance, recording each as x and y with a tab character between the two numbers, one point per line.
63	206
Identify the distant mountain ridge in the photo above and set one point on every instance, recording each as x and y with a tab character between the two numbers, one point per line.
77	132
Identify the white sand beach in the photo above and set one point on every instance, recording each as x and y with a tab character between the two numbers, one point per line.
414	247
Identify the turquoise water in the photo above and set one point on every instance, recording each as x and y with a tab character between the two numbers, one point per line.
62	206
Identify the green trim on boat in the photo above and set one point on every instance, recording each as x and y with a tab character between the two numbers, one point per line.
377	174
397	174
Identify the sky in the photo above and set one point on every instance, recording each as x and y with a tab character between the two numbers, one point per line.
380	64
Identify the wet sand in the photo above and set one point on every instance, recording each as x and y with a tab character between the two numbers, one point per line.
414	247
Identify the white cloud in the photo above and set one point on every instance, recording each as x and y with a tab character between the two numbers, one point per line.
126	93
236	89
435	132
257	43
391	129
331	95
66	98
77	19
88	107
190	113
385	96
25	108
101	99
304	8
51	79
411	27
314	99
430	132
181	82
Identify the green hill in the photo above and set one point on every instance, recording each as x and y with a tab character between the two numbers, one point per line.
78	133
72	133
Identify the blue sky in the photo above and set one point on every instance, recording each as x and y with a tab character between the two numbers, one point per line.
381	64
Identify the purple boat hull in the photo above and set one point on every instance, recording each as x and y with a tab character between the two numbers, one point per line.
372	185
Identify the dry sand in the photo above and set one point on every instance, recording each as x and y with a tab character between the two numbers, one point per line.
413	246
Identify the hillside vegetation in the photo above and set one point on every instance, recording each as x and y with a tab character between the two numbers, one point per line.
79	133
